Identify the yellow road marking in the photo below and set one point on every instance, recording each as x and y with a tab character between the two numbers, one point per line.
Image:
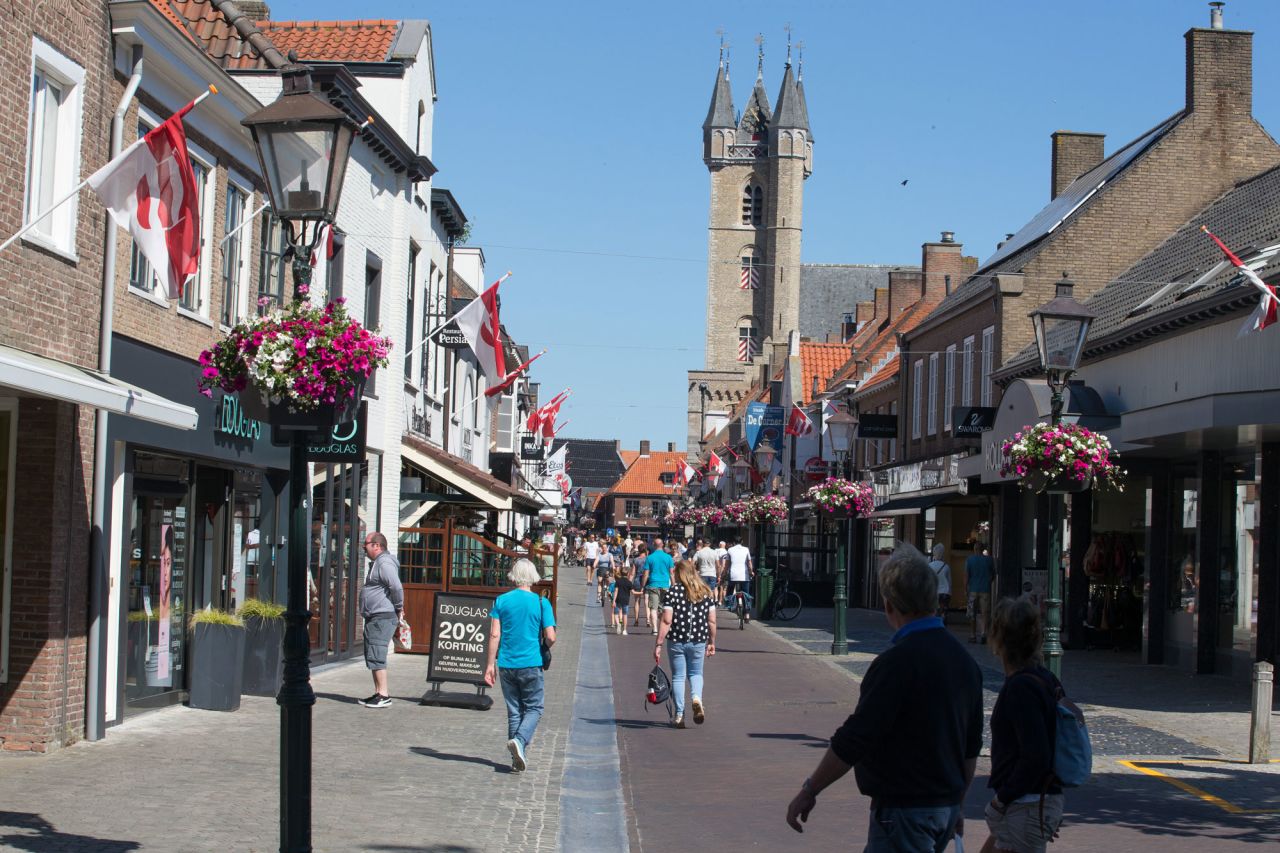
1192	789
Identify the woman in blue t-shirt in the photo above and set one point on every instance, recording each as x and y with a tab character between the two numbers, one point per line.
518	621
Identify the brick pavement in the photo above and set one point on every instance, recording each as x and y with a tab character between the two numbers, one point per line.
405	778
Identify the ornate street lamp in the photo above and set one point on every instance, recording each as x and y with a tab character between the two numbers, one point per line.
841	427
303	144
764	455
741	473
1061	327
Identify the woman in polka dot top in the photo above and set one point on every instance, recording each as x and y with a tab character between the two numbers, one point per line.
688	629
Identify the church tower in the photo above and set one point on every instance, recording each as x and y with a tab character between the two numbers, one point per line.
758	162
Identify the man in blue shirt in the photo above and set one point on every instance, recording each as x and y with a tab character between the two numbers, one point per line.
658	565
978	570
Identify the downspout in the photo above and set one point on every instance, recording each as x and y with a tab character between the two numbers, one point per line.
95	704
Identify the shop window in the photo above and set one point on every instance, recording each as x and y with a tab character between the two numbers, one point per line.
158	574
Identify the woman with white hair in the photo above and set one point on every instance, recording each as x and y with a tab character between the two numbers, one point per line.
518	620
942	571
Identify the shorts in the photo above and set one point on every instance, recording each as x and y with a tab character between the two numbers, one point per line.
1020	830
654	597
980	602
624	609
601	571
378	630
710	580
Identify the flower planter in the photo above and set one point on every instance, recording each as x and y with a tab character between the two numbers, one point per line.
263	658
1039	481
217	666
325	416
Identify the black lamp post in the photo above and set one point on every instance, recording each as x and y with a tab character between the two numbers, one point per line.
1061	327
842	427
303	144
764	455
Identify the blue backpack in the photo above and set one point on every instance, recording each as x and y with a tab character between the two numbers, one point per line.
1072	752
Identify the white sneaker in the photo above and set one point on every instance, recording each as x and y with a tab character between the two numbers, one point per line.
624	630
517	754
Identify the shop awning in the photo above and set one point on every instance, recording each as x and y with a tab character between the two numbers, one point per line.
48	377
909	506
486	490
411	512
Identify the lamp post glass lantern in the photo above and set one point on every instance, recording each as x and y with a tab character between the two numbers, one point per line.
741	473
303	144
842	427
1061	328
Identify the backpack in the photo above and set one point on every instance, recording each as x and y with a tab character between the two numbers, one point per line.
659	691
1072	751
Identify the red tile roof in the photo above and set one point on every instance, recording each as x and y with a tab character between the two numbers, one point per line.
628	456
644	475
820	361
334	41
205	25
166	9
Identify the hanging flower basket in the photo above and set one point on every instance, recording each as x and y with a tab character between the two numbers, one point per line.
1063	458
302	366
839	498
758	509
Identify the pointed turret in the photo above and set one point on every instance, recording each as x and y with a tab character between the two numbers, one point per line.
790	112
721	112
756	115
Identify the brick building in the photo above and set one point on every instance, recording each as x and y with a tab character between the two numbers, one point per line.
639	499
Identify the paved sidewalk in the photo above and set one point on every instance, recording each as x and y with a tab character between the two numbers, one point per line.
405	778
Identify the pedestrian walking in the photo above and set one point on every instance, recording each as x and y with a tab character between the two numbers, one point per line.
688	630
381	605
1026	811
978	570
708	563
913	739
639	576
722	555
622	588
518	623
591	552
942	570
604	566
658	566
740	572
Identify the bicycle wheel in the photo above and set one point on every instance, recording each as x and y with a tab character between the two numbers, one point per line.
742	613
788	606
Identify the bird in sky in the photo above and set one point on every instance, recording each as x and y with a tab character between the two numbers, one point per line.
904	183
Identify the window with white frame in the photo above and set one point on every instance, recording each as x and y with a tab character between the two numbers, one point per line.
949	390
426	348
235	245
410	313
917	380
273	251
988	362
966	376
195	294
932	417
53	147
141	277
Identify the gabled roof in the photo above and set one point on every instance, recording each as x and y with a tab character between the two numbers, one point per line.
334	41
1078	197
644	475
593	463
629	456
1157	294
819	361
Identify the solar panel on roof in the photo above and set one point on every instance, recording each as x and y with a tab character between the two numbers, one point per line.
1078	193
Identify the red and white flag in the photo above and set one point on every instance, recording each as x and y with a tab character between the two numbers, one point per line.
549	413
1265	314
685	473
715	467
798	423
478	322
150	190
511	377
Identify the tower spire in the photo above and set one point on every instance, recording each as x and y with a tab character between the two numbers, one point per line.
800	63
787	28
759	56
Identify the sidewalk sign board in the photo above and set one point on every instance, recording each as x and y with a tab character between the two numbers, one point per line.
459	649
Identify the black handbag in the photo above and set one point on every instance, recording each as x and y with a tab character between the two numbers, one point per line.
542	639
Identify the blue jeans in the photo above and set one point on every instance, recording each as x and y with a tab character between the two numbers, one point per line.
913	830
686	657
522	688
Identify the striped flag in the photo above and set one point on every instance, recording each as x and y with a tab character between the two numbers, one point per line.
750	274
798	423
1265	314
747	347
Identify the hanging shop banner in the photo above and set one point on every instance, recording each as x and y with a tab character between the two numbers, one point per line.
763	423
972	421
877	426
459	638
451	337
531	447
344	443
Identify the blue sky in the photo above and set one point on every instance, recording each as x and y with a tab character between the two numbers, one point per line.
570	133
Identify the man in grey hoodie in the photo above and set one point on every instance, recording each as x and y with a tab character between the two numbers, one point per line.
381	605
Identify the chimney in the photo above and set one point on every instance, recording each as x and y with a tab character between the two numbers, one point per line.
881	304
1220	69
671	447
904	290
256	10
644	448
864	312
942	264
1073	155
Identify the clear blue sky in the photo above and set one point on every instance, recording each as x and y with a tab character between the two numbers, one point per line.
570	133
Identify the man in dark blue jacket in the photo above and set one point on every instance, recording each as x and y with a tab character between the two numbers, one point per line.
913	739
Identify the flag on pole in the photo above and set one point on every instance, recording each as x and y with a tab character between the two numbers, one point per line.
557	462
798	423
150	191
715	467
540	415
511	377
478	322
549	413
685	473
1265	314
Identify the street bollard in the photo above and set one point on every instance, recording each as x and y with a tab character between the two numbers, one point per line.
1260	721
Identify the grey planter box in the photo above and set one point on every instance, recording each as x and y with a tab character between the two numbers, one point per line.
263	656
217	667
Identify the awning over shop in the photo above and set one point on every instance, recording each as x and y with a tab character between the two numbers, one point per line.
483	489
47	377
909	506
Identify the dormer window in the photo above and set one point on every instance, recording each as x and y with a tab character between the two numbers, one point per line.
752	205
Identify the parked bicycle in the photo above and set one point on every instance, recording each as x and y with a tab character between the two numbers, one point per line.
784	604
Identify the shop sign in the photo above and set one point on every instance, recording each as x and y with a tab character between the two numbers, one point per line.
930	474
815	470
459	638
451	337
972	420
877	426
344	443
763	423
531	448
231	420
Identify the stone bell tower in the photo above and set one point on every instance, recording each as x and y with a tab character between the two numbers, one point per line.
758	162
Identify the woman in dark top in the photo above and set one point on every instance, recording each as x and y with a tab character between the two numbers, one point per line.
1027	808
622	589
688	625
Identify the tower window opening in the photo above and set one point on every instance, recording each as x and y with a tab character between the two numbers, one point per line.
752	205
748	342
